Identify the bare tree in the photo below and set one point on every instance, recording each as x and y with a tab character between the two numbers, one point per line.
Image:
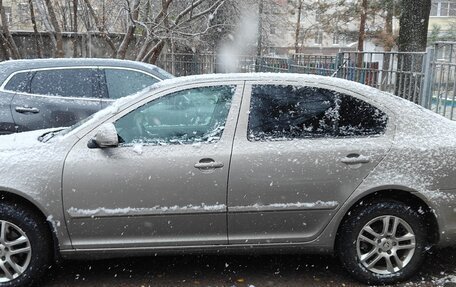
413	30
36	34
180	22
59	52
75	28
151	25
7	38
298	27
362	32
260	28
414	23
101	28
133	14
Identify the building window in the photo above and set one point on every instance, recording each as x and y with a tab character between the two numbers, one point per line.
336	38
317	16
23	11
434	9
443	8
319	37
272	29
8	14
452	9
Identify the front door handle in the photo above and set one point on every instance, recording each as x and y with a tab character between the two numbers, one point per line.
355	159
208	163
27	110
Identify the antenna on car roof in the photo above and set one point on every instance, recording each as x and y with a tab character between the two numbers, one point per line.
338	68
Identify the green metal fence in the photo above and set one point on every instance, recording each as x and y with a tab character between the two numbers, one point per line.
427	78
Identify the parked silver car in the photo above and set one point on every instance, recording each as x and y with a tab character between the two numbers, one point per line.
237	161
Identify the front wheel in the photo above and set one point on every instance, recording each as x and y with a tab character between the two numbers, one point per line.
382	243
25	246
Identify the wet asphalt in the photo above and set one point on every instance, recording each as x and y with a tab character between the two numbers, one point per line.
439	269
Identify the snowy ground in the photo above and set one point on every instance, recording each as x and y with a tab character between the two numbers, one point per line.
223	270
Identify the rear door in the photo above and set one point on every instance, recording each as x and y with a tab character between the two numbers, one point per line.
299	152
121	82
57	98
6	119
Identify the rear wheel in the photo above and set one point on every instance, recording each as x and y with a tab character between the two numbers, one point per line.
25	246
382	243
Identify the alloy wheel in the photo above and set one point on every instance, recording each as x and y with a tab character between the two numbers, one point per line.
386	244
15	251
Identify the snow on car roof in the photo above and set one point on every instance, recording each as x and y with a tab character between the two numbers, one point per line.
12	66
412	117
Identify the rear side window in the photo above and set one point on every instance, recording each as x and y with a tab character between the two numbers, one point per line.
122	83
64	83
281	112
19	83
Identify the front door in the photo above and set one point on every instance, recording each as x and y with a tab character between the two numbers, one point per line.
56	98
166	184
299	152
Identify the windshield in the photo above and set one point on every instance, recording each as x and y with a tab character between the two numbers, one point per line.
75	126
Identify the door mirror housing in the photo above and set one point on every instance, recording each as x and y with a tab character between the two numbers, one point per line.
105	137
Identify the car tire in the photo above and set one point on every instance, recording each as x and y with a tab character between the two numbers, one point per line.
364	247
25	246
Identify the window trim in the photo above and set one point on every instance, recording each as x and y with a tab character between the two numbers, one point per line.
245	110
2	87
89	130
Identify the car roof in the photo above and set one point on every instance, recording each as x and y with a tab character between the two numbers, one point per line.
388	100
12	66
408	112
274	78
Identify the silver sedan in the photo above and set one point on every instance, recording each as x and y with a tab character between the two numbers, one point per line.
232	162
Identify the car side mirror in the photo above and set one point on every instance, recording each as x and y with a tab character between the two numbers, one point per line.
105	137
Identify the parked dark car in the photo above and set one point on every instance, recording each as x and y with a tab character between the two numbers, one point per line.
39	94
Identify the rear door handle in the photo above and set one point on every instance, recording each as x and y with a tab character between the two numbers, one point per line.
355	159
208	163
27	110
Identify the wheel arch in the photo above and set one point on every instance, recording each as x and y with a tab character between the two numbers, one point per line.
15	198
404	195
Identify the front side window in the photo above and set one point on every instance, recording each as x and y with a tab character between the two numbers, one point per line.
122	83
78	83
283	112
185	117
19	83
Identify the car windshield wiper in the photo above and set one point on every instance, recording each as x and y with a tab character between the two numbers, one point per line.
48	135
